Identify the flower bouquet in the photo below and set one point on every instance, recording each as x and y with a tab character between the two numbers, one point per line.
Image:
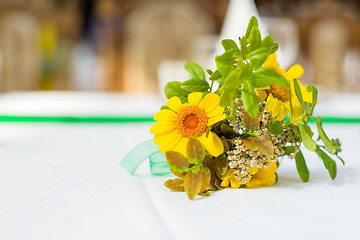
234	135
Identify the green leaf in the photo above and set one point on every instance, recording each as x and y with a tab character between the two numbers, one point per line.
274	48
301	167
227	98
227	57
177	161
255	39
180	174
176	184
195	150
205	177
276	128
193	183
314	93
250	99
195	85
257	54
225	143
228	131
289	149
337	145
333	171
250	143
222	164
307	109
325	138
223	69
250	123
205	194
291	101
266	76
209	72
233	80
329	163
229	44
164	107
265	145
244	50
298	93
342	161
253	23
215	76
308	130
294	128
173	88
195	71
268	43
308	142
183	99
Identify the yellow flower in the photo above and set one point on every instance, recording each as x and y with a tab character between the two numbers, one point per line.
231	181
260	177
278	101
176	125
264	176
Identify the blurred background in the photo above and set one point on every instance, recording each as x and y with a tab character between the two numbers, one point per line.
138	45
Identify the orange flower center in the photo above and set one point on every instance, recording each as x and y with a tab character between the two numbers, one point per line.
191	121
280	93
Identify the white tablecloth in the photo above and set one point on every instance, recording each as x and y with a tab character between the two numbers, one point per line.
64	181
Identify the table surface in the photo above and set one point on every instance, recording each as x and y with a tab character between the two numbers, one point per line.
64	181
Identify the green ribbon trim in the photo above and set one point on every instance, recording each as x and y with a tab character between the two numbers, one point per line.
147	149
125	119
73	119
338	120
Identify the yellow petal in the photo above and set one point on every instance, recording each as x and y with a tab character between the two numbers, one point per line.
209	102
162	126
271	62
270	103
297	111
216	119
170	146
235	183
253	183
273	167
165	114
195	98
307	96
225	182
295	71
167	141
253	170
283	113
174	104
212	144
265	176
261	95
276	108
215	112
181	146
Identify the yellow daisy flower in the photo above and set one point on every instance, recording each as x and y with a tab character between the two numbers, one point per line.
176	125
278	101
260	177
